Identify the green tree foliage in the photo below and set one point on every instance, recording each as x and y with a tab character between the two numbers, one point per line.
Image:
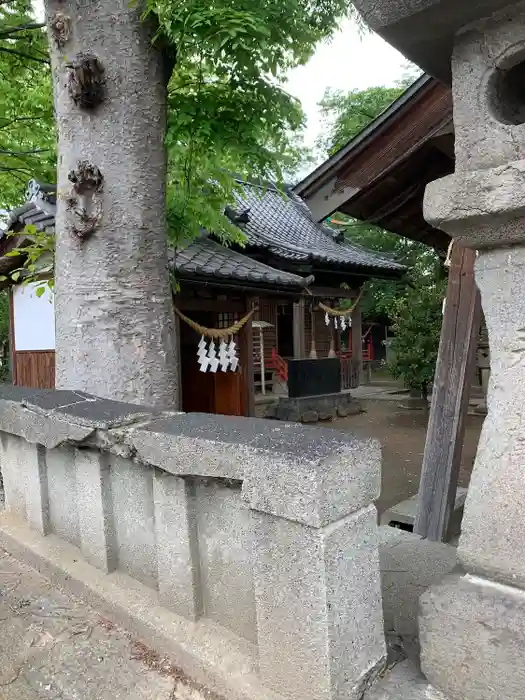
228	109
421	261
347	114
27	135
417	319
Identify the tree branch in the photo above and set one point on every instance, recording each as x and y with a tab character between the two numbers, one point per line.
15	120
21	54
5	169
16	154
20	28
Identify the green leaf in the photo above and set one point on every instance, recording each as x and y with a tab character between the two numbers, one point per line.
40	291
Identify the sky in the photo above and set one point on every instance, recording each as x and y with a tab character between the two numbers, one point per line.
352	60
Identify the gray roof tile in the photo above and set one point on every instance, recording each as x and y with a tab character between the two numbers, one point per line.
278	221
282	223
204	257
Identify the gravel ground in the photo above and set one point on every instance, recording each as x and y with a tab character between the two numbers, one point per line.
402	435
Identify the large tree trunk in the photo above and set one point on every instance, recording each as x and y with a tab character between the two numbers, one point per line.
115	332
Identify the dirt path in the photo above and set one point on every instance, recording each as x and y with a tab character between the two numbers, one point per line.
402	435
55	647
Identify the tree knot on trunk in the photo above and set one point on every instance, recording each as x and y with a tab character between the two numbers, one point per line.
87	83
85	199
60	28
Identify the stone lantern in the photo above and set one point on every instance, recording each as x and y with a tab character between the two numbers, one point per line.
472	626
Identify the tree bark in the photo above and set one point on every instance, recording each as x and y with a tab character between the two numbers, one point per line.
115	331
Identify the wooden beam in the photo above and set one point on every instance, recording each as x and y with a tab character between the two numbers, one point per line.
215	305
452	384
329	198
333	292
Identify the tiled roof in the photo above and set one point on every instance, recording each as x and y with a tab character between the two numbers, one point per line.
278	222
202	258
41	214
205	257
282	223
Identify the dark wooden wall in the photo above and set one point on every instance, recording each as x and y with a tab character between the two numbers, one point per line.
34	369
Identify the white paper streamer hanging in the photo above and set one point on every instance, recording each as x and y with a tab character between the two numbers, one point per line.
211	358
224	359
232	354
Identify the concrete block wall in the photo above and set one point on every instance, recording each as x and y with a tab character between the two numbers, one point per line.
244	533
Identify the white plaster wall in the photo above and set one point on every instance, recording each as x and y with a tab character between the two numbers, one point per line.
34	318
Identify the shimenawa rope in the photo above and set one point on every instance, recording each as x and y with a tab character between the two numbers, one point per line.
221	333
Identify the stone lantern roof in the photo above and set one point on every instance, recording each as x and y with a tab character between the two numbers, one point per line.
423	30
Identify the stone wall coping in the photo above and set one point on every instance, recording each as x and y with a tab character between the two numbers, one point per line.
286	469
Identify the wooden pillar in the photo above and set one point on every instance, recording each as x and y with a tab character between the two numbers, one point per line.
331	351
298	329
246	355
357	341
12	347
313	349
454	372
178	346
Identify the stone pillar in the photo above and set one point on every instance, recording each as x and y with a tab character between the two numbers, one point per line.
95	509
177	544
473	626
316	574
24	478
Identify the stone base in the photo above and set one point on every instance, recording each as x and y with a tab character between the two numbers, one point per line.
403	514
311	409
403	682
472	634
414	403
481	409
205	652
409	566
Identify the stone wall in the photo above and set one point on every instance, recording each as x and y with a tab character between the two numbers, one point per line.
247	548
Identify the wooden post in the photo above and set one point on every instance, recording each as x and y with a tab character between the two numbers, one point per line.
180	397
357	342
313	349
261	358
246	353
298	329
454	372
331	351
12	346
